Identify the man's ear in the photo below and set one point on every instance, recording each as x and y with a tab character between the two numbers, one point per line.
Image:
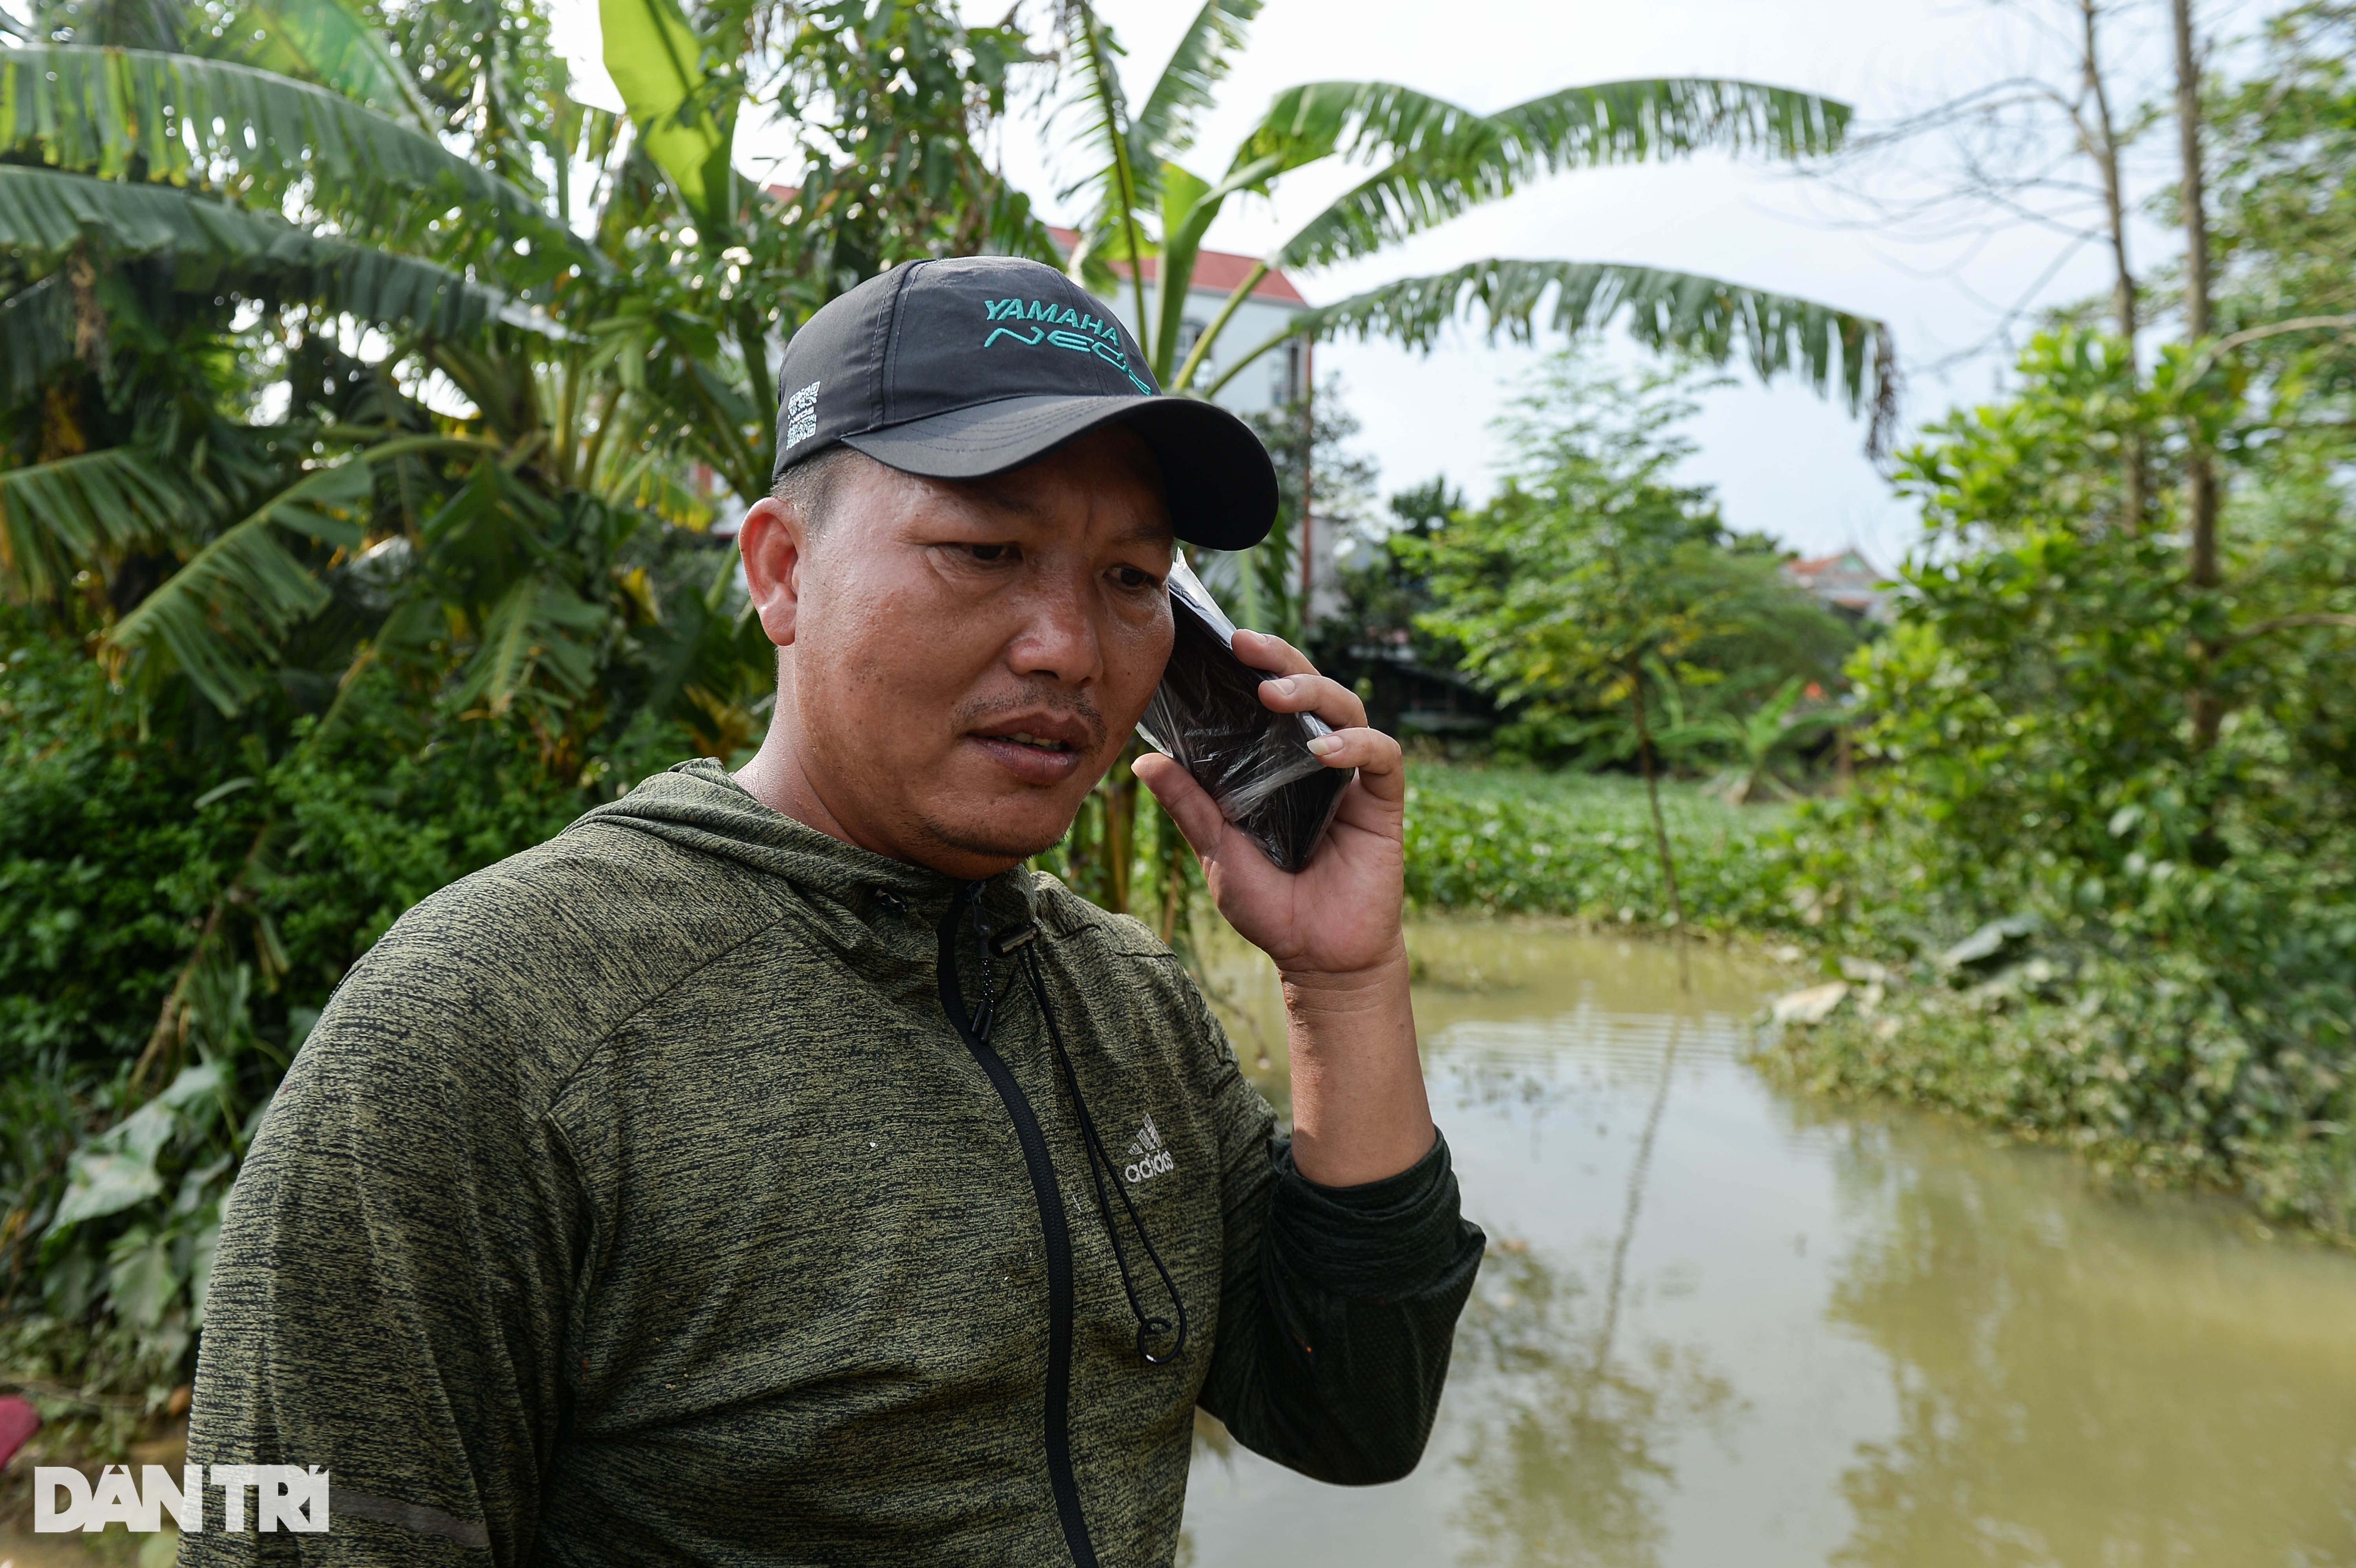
774	545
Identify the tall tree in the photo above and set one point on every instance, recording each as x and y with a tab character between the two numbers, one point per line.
2044	150
2102	139
2199	465
1590	571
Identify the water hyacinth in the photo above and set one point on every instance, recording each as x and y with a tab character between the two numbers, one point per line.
1509	841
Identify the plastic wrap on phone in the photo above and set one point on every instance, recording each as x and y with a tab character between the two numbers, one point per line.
1255	764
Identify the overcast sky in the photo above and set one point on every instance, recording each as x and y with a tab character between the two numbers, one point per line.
1783	460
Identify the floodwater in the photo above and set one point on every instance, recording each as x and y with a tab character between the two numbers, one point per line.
1720	1323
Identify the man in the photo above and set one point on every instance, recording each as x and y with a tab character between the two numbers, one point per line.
769	1170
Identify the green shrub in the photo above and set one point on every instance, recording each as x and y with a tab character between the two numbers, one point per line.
2150	1070
171	918
2065	729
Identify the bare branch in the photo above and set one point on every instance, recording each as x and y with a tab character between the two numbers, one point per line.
2224	345
2044	148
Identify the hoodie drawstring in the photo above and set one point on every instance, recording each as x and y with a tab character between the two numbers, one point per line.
1024	938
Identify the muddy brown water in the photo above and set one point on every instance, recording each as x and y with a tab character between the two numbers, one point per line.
1724	1325
1720	1323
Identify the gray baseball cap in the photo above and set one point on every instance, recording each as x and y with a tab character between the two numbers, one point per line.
974	366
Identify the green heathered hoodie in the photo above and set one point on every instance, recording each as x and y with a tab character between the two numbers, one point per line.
642	1200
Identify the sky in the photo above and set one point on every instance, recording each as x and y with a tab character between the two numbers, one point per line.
1783	461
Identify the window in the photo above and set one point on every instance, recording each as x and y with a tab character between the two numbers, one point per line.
1190	332
1286	379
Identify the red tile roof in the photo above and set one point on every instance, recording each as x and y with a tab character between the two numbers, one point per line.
1845	579
1844	563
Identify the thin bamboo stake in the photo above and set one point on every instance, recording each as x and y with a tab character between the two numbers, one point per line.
1660	824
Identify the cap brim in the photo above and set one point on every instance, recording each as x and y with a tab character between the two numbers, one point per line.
1215	476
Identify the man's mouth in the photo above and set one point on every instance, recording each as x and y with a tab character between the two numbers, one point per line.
1039	749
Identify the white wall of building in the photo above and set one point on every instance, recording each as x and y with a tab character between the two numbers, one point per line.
1268	383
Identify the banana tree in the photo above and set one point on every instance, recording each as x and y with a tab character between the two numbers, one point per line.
887	100
145	204
1759	742
155	195
1430	161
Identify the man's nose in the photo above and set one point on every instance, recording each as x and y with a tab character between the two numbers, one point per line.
1059	638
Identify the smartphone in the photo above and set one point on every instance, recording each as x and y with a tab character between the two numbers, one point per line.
1255	762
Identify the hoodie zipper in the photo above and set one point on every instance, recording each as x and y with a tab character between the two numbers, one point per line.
1058	1235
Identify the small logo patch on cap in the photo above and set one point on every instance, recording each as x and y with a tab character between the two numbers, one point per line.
801	415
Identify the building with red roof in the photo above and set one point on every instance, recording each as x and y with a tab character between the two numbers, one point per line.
1843	583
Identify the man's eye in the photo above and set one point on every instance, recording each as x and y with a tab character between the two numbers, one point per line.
1133	577
991	551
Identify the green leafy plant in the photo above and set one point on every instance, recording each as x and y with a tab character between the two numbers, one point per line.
2030	753
1521	841
1429	161
1760	742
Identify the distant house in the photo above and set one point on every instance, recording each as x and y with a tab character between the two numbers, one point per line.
1845	583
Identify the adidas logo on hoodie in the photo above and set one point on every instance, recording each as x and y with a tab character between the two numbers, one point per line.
1147	1158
